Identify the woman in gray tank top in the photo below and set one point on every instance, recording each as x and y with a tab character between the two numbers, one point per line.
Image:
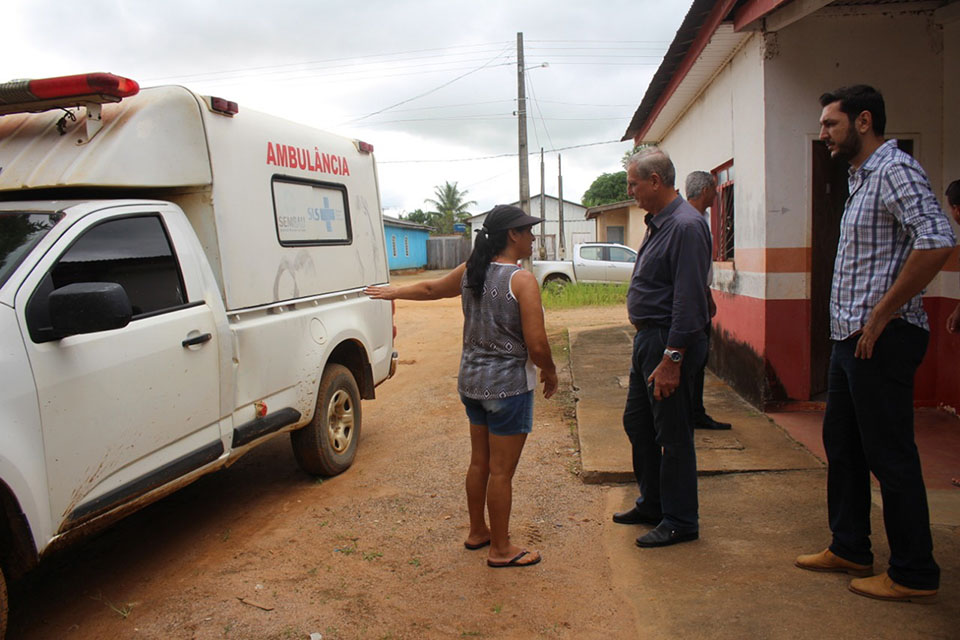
503	338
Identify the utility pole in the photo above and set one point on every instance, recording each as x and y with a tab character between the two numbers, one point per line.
561	251
522	129
522	135
543	213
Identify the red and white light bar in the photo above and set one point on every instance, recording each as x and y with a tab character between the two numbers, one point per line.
20	96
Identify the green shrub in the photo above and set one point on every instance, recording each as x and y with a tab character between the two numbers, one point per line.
566	296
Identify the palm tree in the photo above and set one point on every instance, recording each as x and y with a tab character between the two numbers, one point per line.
450	206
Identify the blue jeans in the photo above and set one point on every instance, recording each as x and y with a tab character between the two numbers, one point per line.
868	427
661	432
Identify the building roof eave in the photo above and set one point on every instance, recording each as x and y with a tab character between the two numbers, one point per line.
593	212
406	224
696	53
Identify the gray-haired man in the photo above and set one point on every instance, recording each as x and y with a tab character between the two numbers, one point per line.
701	190
667	304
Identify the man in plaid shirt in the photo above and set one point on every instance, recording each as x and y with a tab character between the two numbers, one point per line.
894	238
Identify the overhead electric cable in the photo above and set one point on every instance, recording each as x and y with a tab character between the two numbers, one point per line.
426	93
536	103
501	155
323	61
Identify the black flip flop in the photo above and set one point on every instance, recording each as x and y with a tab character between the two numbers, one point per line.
474	547
514	561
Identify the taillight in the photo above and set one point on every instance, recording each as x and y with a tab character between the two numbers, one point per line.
393	315
226	107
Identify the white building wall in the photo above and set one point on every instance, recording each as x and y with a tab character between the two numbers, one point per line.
724	123
576	228
896	54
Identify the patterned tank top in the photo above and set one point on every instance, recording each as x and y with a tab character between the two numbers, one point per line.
494	362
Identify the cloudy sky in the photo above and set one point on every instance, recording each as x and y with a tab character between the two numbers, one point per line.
432	84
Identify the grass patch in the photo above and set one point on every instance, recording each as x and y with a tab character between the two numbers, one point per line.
557	296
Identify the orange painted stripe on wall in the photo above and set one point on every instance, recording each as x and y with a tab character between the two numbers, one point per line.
773	260
797	260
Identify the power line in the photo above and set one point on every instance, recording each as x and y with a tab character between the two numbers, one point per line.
664	42
324	61
536	103
345	76
610	64
581	104
501	155
445	84
482	117
352	72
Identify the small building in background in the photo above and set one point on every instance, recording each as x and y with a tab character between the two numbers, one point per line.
620	222
406	244
576	227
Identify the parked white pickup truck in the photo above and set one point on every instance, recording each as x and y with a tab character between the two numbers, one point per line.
592	262
179	281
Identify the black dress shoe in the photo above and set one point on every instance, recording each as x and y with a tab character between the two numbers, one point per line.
664	536
635	516
706	422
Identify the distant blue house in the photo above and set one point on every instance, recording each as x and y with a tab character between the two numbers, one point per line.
406	244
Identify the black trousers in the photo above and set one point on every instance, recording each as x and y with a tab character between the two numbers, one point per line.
868	427
696	399
661	433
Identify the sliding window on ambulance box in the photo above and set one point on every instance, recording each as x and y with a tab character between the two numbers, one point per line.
310	213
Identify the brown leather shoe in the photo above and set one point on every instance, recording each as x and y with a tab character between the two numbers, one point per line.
827	561
882	587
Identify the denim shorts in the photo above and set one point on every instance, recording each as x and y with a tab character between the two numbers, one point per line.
502	416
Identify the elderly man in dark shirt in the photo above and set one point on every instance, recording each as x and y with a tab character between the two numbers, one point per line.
667	303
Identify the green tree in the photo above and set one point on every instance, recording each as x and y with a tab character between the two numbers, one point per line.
609	187
421	217
627	154
450	206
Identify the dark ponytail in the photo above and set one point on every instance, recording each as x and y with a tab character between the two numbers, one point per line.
486	246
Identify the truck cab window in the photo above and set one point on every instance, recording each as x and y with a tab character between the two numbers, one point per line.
618	254
133	252
591	253
19	233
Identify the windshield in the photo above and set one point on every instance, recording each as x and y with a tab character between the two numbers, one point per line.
19	232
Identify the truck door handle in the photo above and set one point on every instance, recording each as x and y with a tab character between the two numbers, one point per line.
200	339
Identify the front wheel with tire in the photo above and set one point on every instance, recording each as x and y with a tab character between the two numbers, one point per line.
328	444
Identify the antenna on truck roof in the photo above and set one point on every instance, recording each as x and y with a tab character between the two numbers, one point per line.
89	90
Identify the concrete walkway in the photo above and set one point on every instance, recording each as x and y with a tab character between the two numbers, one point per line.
762	502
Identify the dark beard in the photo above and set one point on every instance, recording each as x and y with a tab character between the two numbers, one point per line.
849	147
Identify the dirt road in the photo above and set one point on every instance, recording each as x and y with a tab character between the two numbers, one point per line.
262	550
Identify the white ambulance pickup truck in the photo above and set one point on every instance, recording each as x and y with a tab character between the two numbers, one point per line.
180	280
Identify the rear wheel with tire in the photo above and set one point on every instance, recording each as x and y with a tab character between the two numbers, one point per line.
558	278
328	444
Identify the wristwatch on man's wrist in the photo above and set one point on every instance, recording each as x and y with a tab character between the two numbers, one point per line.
673	354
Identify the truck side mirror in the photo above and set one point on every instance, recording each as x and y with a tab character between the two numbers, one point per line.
88	307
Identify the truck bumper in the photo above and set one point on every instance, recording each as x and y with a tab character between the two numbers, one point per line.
393	364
